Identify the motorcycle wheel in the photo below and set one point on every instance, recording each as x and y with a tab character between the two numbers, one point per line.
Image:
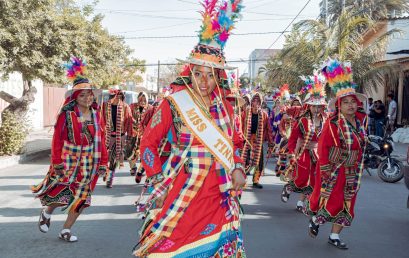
392	175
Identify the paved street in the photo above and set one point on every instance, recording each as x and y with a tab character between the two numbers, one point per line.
271	228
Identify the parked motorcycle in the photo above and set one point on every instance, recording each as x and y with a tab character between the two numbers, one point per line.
378	155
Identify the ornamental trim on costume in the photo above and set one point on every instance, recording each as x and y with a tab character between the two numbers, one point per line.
208	229
156	119
148	157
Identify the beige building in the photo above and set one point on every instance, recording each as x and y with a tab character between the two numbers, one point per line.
396	54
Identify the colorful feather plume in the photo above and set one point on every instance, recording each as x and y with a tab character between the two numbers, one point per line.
285	92
218	20
338	75
314	85
76	69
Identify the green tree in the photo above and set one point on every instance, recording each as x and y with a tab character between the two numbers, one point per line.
37	36
375	9
311	42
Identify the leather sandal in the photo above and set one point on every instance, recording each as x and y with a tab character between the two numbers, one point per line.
66	236
337	243
43	222
313	229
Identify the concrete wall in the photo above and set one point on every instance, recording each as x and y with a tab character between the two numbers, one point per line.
14	86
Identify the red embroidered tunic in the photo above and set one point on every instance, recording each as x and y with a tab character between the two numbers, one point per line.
338	173
303	175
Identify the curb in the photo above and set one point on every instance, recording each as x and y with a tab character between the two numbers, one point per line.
9	161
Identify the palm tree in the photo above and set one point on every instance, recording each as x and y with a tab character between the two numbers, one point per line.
375	9
311	42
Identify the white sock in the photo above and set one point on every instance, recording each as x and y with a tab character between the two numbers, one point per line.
334	236
72	238
314	219
65	230
46	215
300	203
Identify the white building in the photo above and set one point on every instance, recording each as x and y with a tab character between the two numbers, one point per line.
258	58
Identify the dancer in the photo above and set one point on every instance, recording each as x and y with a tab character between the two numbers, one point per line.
118	120
340	148
257	132
142	113
303	142
191	211
289	114
78	155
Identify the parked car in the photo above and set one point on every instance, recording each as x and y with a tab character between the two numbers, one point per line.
406	174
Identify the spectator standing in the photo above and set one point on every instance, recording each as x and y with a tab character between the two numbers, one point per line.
392	111
379	117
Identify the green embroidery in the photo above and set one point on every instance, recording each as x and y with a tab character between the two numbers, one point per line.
156	119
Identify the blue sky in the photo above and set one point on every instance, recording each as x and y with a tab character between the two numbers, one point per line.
140	18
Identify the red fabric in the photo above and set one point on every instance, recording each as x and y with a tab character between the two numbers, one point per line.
335	202
146	116
152	137
61	135
127	118
195	219
305	171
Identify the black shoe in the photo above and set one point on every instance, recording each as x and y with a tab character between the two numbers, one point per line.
278	174
133	172
257	185
313	229
109	184
285	195
299	208
138	177
337	243
247	173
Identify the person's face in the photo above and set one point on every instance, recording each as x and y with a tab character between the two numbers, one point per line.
315	110
85	98
142	101
349	105
204	80
255	105
296	103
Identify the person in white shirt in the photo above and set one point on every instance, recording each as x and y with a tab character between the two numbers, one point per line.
392	111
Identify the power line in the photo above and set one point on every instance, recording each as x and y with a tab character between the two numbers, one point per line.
302	9
231	61
195	36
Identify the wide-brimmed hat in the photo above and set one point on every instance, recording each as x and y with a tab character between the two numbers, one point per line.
340	80
218	21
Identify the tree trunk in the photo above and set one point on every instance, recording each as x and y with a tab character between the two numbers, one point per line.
20	106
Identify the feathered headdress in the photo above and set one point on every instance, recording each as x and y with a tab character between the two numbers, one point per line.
315	88
285	92
218	21
339	77
76	73
219	18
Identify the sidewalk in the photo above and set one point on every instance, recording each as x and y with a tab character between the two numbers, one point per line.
37	145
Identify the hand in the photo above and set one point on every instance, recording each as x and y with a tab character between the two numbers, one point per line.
239	181
101	172
59	172
161	200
